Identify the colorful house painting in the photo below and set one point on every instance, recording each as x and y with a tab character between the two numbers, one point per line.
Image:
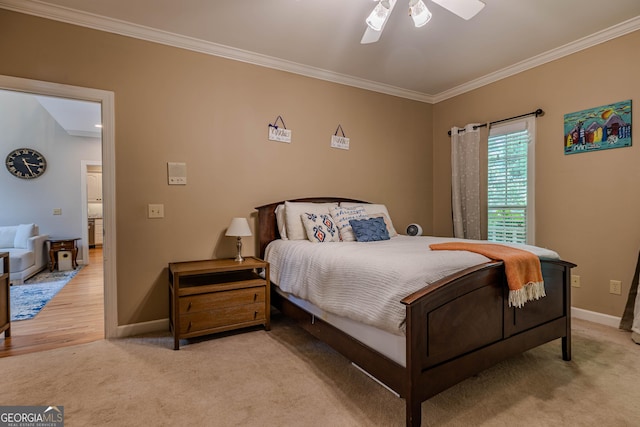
600	128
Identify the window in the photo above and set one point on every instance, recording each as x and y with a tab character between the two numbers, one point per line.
510	183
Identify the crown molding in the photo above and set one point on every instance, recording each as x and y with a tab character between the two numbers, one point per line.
89	20
97	22
610	33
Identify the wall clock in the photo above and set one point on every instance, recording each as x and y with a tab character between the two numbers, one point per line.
26	163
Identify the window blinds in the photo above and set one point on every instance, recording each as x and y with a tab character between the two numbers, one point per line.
509	213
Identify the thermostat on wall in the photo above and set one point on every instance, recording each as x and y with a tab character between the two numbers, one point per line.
177	173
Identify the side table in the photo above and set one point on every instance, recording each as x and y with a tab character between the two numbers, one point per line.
62	244
217	295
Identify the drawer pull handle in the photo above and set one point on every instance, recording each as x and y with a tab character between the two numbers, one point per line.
255	297
189	327
189	306
255	315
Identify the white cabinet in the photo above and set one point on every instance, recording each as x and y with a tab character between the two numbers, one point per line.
94	187
98	230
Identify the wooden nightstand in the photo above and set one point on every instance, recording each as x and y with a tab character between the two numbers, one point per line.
217	295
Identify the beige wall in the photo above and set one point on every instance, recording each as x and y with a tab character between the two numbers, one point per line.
587	205
212	113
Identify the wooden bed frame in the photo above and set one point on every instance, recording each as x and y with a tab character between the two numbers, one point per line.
455	327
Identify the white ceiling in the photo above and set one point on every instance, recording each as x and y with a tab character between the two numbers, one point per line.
78	118
321	38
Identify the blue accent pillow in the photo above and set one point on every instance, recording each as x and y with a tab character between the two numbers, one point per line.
369	230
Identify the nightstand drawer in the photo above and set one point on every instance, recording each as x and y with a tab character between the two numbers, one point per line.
214	300
222	318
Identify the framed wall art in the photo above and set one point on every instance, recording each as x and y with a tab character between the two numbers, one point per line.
600	128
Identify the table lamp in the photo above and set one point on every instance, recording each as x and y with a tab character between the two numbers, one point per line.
239	227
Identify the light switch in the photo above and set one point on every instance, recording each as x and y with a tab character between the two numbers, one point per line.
156	211
57	211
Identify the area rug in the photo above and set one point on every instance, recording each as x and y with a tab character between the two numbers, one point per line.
29	298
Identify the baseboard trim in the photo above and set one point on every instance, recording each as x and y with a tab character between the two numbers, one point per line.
595	317
142	328
163	324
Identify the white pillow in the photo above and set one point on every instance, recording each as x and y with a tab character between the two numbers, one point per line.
23	233
8	236
373	209
320	228
280	221
293	210
342	216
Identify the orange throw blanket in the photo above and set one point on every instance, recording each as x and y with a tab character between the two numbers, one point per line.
524	275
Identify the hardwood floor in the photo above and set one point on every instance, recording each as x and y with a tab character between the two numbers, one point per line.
74	316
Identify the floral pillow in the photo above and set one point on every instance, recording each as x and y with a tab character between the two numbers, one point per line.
293	221
320	227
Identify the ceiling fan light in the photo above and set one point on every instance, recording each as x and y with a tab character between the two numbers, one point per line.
419	12
378	16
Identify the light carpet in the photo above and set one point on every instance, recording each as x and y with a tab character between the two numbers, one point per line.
287	378
29	298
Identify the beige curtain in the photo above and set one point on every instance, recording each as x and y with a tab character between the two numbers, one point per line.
465	182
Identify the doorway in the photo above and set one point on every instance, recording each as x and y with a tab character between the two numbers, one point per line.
105	99
92	206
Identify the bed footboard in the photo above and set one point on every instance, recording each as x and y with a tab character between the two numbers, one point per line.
463	324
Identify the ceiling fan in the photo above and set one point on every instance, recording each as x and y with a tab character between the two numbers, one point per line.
418	11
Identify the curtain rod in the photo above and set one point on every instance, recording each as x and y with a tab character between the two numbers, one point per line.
537	113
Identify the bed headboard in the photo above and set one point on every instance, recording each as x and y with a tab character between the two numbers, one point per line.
267	227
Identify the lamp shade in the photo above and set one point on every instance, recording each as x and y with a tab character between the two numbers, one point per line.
238	227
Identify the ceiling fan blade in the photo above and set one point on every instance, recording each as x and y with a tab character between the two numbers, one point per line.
465	9
370	35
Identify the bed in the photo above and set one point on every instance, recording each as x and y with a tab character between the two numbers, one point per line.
453	328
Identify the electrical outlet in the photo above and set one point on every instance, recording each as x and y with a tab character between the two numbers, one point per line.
615	287
575	281
156	211
57	211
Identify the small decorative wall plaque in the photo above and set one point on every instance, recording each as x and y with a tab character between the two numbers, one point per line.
600	128
341	142
280	134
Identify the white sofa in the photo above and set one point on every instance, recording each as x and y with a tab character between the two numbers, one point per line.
27	250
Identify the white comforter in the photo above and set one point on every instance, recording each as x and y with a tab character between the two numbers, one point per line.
367	281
